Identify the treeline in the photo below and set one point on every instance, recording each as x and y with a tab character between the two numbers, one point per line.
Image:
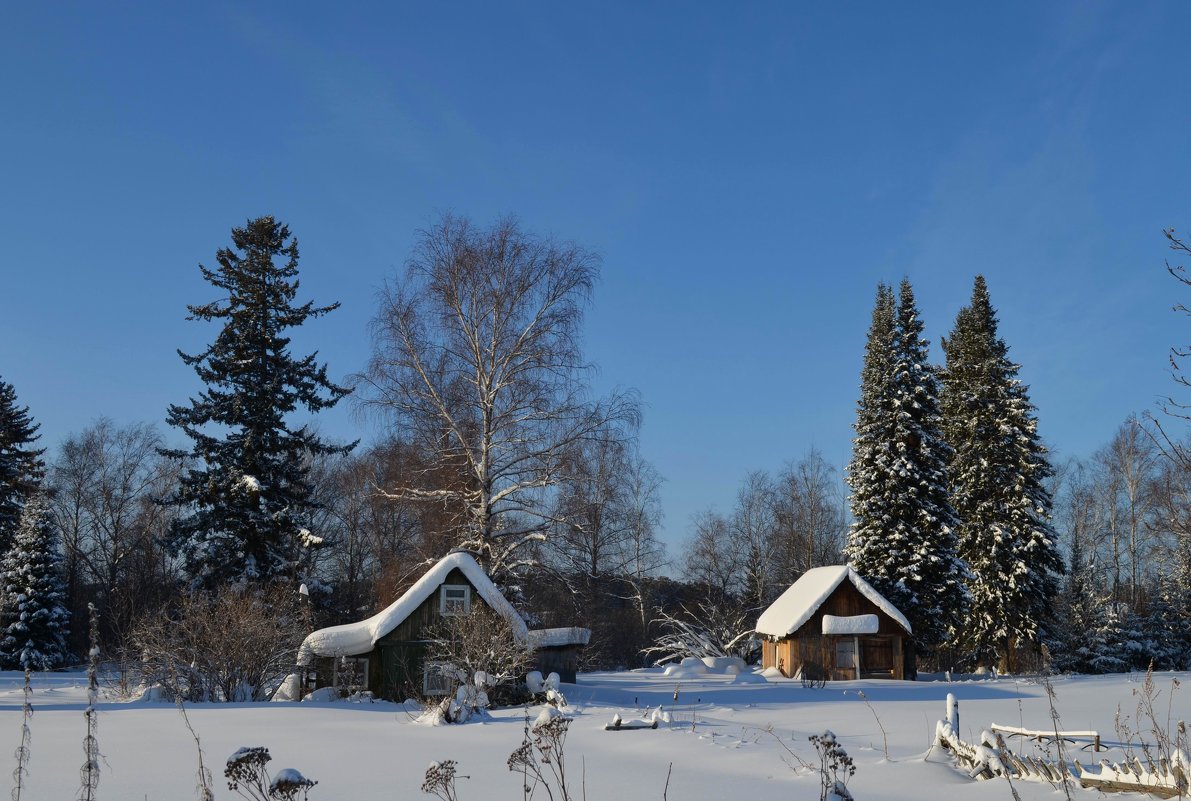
955	512
1126	519
495	442
947	512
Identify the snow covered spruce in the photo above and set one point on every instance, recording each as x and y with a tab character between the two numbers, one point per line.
33	616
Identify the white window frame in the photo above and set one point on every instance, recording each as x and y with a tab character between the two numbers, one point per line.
448	606
435	679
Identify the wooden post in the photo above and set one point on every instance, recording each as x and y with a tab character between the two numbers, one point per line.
953	712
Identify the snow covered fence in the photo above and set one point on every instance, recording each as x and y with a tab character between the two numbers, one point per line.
981	761
1043	736
991	758
1164	778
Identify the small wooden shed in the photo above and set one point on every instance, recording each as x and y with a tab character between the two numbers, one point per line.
557	650
832	624
385	654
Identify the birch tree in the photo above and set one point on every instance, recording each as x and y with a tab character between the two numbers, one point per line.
645	554
809	517
477	358
753	530
714	558
1128	466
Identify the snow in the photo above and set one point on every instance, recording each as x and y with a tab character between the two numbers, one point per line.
722	737
557	638
352	639
287	777
853	624
695	666
796	605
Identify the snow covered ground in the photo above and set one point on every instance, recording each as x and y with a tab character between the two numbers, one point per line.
717	739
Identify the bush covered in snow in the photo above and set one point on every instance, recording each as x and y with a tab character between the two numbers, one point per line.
234	645
545	691
710	630
469	701
480	643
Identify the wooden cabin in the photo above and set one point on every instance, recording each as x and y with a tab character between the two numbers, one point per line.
832	624
557	650
385	654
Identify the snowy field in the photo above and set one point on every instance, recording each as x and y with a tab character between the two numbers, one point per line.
717	739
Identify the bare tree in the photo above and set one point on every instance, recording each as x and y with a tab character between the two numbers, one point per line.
373	542
105	483
778	529
1177	353
753	526
235	645
476	355
645	555
1173	446
603	547
713	556
1127	474
709	629
1079	512
593	521
810	517
480	641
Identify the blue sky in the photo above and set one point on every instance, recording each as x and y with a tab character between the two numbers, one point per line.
749	173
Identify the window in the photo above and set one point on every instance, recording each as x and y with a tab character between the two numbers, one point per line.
438	678
454	599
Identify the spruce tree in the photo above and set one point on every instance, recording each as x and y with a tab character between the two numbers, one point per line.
1072	645
247	491
21	468
997	472
1117	643
1168	622
33	616
903	536
868	550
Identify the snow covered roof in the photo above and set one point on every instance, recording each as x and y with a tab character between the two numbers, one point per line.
557	638
358	638
796	605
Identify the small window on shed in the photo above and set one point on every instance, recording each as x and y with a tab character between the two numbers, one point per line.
454	599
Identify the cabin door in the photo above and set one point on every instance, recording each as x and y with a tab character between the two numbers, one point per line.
876	658
845	659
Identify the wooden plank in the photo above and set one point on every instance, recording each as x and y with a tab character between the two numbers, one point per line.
1092	783
630	726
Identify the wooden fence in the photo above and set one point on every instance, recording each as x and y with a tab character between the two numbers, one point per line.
990	758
